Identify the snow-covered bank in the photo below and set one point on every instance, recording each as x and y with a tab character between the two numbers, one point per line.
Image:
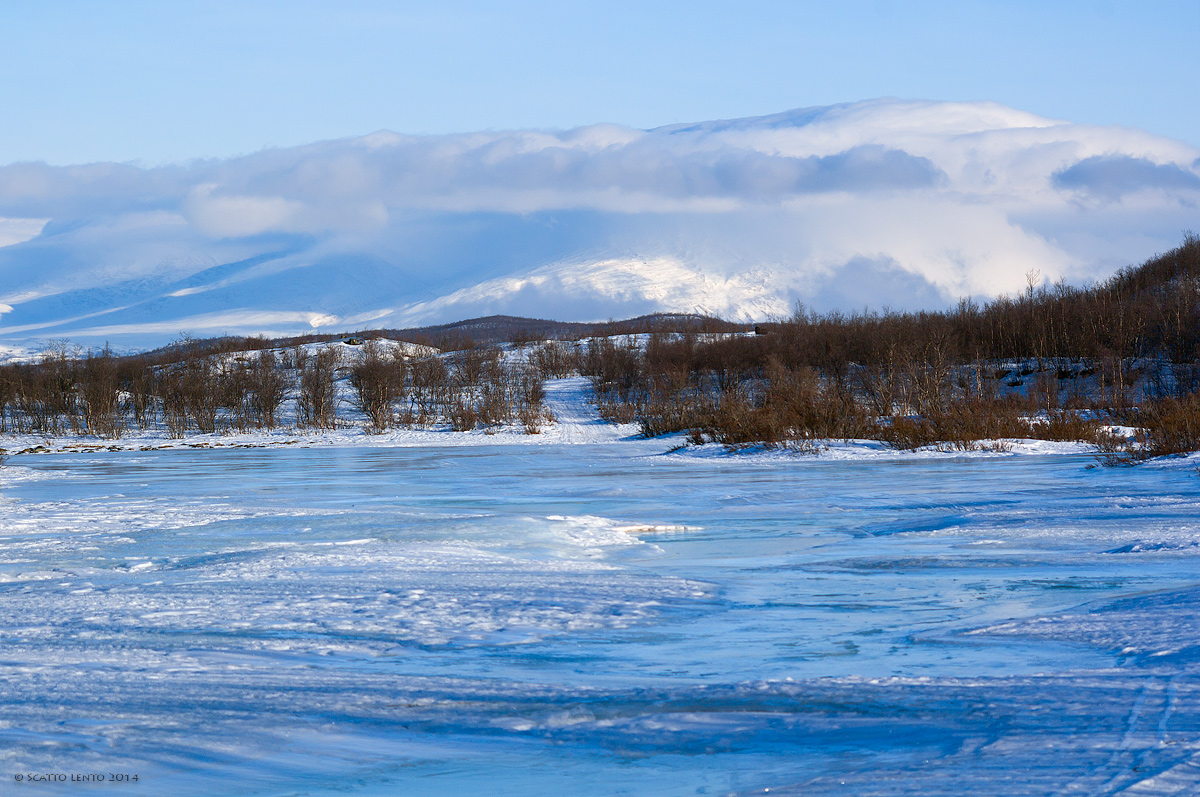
569	401
871	450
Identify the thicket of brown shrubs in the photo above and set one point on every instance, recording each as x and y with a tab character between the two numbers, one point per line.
1057	362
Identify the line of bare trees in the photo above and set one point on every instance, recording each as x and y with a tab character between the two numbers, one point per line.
201	391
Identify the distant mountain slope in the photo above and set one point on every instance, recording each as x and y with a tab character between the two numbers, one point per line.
885	203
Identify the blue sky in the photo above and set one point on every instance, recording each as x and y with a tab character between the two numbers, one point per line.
164	82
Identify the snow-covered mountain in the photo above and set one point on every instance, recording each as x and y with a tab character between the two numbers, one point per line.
879	203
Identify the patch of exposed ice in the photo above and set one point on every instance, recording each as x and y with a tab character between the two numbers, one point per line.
870	450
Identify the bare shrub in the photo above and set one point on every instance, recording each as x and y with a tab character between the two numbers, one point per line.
810	407
174	403
533	418
234	380
908	433
268	384
529	395
1171	426
8	393
671	405
965	424
472	365
138	380
317	402
462	414
496	398
483	390
38	396
1166	427
192	394
787	407
202	392
523	337
430	382
735	420
51	399
378	382
614	410
103	409
613	368
1065	425
554	360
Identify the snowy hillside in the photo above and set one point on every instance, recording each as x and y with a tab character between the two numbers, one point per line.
886	202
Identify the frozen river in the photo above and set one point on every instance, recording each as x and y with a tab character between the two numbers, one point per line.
597	619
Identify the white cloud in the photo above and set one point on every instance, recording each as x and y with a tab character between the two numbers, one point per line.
233	216
15	231
961	248
739	217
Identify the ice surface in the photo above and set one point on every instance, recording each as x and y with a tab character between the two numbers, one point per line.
582	612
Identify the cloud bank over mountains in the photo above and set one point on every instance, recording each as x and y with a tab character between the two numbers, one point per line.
881	203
